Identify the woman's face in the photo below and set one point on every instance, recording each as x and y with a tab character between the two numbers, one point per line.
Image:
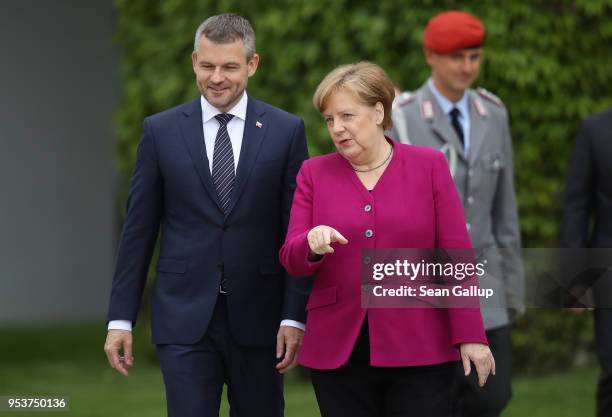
355	127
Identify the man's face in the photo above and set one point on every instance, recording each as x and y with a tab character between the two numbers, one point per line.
453	73
222	71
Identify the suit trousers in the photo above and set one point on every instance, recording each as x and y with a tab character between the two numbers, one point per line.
194	375
361	390
603	342
470	400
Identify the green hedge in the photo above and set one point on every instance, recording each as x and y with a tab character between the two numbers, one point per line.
548	60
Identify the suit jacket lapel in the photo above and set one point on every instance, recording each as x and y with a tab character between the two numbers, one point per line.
193	134
440	123
255	127
478	126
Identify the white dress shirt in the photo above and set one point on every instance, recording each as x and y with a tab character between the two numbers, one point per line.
235	127
235	130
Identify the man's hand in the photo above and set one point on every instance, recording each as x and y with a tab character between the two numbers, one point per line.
288	341
116	341
483	360
321	237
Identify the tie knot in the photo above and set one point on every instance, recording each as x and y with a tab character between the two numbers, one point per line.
455	113
224	118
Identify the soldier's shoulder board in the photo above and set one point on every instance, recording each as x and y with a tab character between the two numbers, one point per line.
404	98
489	96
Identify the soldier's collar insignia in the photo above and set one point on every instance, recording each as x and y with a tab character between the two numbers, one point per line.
427	110
480	108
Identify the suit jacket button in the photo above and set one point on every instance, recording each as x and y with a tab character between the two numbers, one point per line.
369	233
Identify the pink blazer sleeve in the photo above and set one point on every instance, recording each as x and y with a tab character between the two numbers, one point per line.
466	323
294	253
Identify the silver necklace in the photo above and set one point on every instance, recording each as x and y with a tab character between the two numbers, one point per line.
376	167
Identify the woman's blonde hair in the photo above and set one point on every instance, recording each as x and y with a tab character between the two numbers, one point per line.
366	80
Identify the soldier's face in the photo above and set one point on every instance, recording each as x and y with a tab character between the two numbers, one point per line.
454	73
222	71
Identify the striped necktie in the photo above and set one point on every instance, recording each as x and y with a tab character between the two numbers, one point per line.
223	162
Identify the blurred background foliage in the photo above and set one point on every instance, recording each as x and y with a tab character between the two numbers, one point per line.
548	60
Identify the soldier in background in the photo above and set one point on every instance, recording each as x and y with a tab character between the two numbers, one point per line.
471	128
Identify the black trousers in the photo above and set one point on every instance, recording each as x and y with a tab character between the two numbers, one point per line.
603	342
194	374
360	390
470	400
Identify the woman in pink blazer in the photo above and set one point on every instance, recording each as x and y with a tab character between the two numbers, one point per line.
375	193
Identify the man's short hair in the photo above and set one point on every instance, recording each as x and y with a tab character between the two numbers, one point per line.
367	81
227	28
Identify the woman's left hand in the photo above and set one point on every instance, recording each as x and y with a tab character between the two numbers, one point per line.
482	357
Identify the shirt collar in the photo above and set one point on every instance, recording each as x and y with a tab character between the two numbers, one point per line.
239	109
446	105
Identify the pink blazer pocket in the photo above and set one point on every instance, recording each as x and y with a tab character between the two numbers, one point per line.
321	297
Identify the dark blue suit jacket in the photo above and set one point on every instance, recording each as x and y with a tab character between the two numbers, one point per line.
589	186
172	187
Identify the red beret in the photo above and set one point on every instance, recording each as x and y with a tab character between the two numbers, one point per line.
448	32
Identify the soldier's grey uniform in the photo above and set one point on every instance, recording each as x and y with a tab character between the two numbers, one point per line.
484	180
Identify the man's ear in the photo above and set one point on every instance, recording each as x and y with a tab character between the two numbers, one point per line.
252	65
194	61
429	56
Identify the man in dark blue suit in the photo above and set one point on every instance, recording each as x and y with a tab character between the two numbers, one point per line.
587	223
218	175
